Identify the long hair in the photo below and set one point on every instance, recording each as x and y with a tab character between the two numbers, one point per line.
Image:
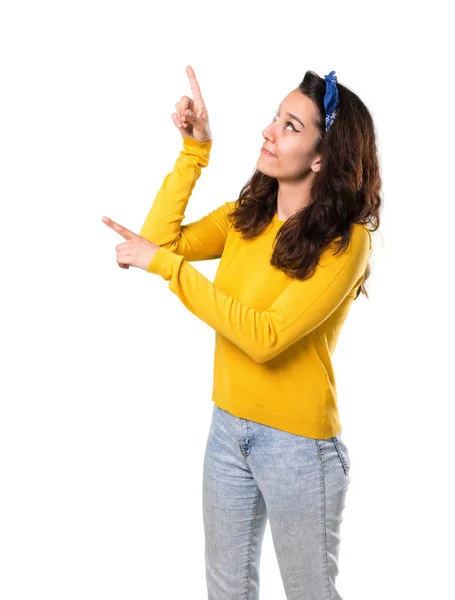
346	190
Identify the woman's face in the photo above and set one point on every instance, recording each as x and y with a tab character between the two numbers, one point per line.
292	140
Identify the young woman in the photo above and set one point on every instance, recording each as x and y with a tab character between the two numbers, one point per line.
294	250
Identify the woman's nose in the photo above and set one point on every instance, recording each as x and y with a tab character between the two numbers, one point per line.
267	133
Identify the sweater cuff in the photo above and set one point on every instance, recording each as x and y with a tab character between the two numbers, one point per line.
200	149
164	263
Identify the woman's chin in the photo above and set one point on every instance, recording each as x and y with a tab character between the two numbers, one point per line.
262	167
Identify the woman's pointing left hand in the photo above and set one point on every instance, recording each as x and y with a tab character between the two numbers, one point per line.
136	251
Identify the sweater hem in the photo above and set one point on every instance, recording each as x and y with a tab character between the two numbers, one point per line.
277	420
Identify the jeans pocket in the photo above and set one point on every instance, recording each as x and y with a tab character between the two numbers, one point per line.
342	453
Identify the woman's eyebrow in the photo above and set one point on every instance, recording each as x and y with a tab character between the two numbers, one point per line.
291	116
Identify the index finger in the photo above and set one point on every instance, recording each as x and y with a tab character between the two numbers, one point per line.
123	231
195	89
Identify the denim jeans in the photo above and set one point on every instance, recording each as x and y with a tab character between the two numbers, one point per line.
253	472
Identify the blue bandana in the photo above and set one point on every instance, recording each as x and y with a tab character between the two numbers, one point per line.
330	99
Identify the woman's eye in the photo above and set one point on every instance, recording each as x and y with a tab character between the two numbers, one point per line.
288	123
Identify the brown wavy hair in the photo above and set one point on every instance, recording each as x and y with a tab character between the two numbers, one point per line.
346	190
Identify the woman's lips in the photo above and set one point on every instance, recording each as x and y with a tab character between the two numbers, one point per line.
264	151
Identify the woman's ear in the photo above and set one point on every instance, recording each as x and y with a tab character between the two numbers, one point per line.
316	164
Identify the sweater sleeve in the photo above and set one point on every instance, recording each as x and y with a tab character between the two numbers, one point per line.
300	308
202	239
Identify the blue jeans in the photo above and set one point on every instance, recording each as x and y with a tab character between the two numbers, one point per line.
253	472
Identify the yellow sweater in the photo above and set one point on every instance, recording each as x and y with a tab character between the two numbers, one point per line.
274	334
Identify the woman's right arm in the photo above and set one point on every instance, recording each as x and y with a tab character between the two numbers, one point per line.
205	238
200	240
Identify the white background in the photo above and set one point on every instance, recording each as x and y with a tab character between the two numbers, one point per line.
106	377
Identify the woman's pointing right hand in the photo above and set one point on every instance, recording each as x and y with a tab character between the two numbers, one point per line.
191	117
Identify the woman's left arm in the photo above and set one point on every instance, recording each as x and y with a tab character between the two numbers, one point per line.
299	309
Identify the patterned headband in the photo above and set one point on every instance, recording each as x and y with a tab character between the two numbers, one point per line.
331	99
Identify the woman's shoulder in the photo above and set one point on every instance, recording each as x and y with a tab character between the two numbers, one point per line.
359	244
362	233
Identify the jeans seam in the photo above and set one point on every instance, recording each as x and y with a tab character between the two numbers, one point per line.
340	454
324	518
247	592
